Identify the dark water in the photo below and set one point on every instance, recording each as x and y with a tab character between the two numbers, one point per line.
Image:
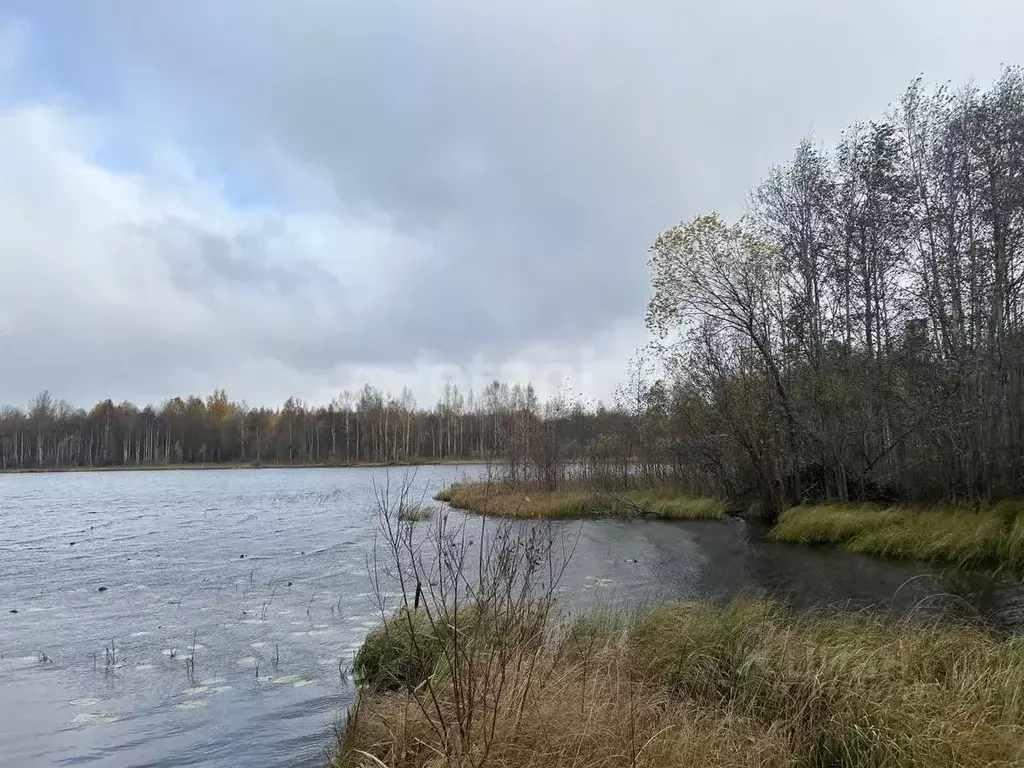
169	546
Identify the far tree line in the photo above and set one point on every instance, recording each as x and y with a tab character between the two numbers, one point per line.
369	426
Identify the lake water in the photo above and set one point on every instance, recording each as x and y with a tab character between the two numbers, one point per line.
255	567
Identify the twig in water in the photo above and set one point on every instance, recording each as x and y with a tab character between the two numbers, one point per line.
263	612
257	670
311	599
277	655
190	663
109	656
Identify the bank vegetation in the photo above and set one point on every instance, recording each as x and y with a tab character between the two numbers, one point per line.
477	664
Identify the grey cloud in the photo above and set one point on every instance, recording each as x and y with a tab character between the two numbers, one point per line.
204	263
534	149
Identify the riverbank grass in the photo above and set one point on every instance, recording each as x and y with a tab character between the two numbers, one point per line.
961	536
509	500
745	684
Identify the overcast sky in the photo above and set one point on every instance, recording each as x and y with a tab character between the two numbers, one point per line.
296	197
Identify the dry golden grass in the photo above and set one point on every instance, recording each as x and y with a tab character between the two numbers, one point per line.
747	684
993	536
508	500
569	720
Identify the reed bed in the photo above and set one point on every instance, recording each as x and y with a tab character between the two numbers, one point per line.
510	500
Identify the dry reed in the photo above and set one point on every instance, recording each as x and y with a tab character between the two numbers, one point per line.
510	500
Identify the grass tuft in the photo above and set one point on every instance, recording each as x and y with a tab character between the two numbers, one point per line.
399	653
415	512
445	494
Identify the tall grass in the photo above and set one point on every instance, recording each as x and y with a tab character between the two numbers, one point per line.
748	683
511	500
668	505
962	536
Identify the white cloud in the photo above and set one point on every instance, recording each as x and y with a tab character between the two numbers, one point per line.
146	284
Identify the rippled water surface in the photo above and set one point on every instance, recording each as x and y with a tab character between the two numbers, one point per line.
109	580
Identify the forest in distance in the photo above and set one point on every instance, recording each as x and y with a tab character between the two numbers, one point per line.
857	335
371	427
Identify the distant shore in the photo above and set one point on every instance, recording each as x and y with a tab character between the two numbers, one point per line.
239	465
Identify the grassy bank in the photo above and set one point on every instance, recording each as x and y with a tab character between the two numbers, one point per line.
965	537
507	500
747	684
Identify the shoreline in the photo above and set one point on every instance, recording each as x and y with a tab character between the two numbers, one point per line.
990	537
237	465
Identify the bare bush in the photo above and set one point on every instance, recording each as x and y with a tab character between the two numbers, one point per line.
466	607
